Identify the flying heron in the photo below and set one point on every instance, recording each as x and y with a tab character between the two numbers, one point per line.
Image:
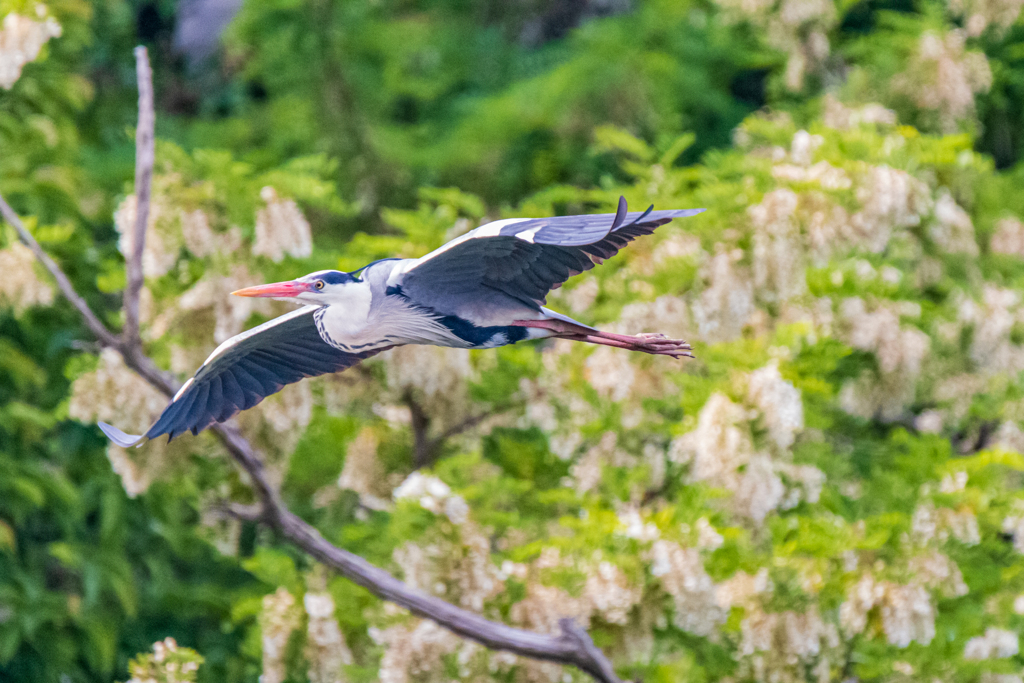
482	290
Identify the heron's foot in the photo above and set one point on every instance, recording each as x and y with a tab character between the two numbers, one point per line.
651	342
659	344
648	342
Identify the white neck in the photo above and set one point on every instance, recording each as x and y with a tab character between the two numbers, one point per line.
348	312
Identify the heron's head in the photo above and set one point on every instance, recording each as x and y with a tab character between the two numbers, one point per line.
322	288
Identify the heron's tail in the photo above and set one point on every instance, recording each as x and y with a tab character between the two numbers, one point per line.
120	438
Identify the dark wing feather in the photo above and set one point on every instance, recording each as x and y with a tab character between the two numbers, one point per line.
243	371
522	260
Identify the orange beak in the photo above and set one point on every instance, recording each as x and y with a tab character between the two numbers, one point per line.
281	290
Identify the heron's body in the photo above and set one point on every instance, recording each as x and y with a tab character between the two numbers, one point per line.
370	313
482	290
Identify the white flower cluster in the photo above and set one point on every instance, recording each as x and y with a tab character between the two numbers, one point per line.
938	572
281	229
793	225
610	372
610	593
992	347
21	39
667	314
1008	238
279	618
415	651
634	526
837	115
797	27
823	174
695	596
780	645
364	473
779	403
772	645
997	643
890	199
21	286
326	649
230	313
433	495
163	666
929	523
907	612
900	352
720	450
168	230
726	303
201	240
944	77
1014	526
163	241
952	229
544	606
134	479
582	296
982	14
112	393
777	246
606	453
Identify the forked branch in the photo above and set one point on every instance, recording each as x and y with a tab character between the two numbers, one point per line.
573	646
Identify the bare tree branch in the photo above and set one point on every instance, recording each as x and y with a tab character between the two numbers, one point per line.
145	157
573	646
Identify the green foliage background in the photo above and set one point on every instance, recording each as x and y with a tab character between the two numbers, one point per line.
832	490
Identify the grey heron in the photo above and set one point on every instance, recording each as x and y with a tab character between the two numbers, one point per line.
482	290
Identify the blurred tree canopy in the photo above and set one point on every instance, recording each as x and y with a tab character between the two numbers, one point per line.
831	491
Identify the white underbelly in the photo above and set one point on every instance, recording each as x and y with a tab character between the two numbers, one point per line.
392	325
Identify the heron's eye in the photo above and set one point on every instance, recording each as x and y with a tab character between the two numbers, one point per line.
319	284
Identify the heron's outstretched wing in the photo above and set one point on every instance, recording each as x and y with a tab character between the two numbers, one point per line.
521	258
243	371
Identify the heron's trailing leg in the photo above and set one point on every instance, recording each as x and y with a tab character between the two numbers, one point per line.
653	343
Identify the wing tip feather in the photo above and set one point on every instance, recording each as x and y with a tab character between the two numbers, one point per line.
620	213
120	438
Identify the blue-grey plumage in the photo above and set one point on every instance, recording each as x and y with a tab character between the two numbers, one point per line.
482	290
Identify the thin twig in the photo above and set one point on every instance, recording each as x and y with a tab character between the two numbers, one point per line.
145	157
459	427
239	511
94	324
425	449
